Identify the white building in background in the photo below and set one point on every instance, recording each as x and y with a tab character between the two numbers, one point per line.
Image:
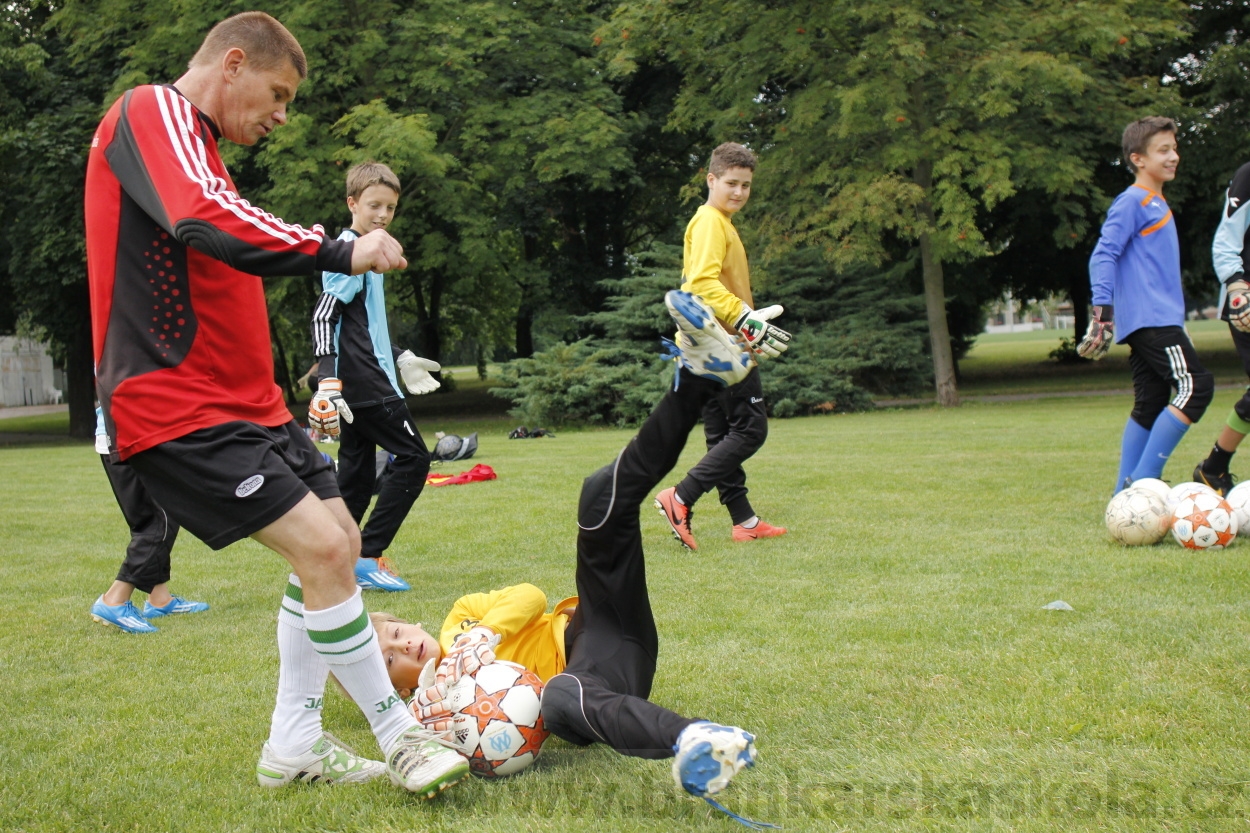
27	376
1009	315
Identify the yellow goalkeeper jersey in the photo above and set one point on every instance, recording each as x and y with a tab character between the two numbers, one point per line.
529	635
714	264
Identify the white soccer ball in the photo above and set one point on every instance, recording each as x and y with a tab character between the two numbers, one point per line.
1204	521
1137	516
1182	490
1238	497
1155	485
497	718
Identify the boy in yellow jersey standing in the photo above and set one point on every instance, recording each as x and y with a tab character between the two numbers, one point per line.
735	421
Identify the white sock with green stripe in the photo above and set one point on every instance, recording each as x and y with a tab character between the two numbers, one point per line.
296	723
345	638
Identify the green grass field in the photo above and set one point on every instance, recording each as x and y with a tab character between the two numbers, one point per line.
891	652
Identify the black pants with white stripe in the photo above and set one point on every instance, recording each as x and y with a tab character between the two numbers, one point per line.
390	426
152	532
1166	371
611	642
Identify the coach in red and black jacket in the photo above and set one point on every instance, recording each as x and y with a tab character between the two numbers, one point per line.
185	377
178	312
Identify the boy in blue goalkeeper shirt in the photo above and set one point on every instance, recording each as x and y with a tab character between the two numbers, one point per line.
1135	270
1228	256
357	373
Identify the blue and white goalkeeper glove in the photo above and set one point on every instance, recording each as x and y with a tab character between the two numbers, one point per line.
763	338
415	372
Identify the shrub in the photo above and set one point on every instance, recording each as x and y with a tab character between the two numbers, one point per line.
857	333
585	382
1066	353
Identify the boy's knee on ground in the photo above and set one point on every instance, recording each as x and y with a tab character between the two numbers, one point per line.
562	710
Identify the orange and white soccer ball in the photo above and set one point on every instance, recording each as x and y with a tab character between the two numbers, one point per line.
1239	498
1184	490
497	718
1204	521
1137	516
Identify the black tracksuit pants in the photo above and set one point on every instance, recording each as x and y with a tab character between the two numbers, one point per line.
390	426
611	643
735	425
152	532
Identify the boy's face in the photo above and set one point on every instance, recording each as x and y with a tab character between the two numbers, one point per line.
373	209
405	650
729	191
1160	159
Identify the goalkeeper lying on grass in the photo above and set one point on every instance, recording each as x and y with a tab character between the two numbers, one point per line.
596	652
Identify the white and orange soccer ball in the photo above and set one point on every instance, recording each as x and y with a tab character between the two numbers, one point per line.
497	718
1238	497
1183	490
1137	516
1204	521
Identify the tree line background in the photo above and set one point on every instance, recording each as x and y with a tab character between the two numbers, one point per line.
918	159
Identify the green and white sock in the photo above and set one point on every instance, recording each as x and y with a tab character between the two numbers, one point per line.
296	722
345	638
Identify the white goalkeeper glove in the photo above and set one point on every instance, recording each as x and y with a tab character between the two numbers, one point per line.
1099	336
326	406
415	372
470	652
429	705
763	338
1239	303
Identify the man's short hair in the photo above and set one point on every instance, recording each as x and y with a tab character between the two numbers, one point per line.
264	40
1138	134
361	176
730	155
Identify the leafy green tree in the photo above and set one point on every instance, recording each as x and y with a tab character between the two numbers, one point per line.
50	105
1210	71
908	120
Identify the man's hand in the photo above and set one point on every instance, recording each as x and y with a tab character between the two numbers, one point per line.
326	406
429	705
1239	304
377	251
763	338
470	652
1099	336
416	373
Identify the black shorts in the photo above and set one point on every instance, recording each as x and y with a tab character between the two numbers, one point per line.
226	482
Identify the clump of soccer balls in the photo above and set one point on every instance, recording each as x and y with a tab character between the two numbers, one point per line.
497	718
1195	513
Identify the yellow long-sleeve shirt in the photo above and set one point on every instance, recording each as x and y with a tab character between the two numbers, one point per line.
529	635
714	265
